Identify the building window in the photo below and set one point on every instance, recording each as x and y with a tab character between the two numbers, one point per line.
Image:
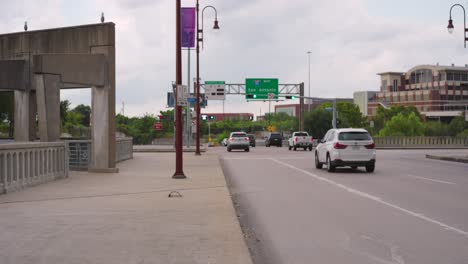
456	76
464	76
449	76
395	85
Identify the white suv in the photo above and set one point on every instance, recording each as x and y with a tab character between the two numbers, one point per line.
346	147
238	140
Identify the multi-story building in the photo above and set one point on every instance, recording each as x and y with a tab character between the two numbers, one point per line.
361	99
437	91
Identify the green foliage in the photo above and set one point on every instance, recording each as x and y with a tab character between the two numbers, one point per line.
384	115
464	133
6	113
85	112
64	108
73	118
435	129
401	125
222	136
318	122
457	125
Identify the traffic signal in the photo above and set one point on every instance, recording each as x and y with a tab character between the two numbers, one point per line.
251	96
250	118
211	117
290	97
204	117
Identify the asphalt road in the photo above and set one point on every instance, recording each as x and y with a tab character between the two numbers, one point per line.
410	210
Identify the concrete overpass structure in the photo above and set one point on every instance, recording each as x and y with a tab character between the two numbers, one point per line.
37	64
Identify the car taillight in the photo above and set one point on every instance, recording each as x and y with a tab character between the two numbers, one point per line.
295	139
231	139
337	145
311	139
370	146
247	139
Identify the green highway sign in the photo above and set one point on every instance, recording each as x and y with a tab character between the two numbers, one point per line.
261	89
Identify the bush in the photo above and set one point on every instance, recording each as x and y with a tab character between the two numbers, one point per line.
222	136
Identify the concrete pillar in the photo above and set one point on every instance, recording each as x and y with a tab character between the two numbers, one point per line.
48	106
22	116
103	144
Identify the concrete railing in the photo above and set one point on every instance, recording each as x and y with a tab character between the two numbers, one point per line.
421	142
28	164
124	149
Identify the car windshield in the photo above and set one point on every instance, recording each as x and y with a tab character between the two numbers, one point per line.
239	135
275	136
301	134
354	136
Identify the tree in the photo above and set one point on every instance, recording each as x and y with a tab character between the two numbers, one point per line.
318	122
401	125
457	125
435	129
7	111
85	112
64	108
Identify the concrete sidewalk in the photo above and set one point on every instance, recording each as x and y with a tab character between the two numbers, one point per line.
126	217
165	148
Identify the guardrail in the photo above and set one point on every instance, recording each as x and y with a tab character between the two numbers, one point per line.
421	142
80	152
124	149
28	164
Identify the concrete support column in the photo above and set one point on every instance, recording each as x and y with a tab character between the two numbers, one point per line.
22	116
103	136
48	106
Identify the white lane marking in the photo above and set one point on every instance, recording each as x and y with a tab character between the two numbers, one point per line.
377	199
432	180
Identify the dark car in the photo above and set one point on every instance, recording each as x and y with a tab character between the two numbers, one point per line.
251	139
274	139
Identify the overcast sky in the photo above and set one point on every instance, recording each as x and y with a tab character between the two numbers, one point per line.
350	41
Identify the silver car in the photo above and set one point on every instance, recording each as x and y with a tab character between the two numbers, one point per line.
238	140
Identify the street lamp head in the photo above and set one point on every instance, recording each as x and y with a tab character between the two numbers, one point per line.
216	26
450	26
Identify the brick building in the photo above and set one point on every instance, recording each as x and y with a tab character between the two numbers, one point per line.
437	91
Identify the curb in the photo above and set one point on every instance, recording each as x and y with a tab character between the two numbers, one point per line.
454	159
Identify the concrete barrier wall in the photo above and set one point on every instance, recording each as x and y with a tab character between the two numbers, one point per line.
421	142
28	164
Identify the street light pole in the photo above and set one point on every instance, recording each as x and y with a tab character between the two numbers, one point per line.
179	173
308	54
197	92
450	26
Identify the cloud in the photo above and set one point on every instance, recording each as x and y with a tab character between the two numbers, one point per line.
351	41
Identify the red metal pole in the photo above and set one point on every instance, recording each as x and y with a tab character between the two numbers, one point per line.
197	92
179	173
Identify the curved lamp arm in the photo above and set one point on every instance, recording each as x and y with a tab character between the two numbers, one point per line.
450	25
216	26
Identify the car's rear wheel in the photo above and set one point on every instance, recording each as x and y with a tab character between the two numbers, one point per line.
318	165
305	148
294	148
330	167
289	147
229	149
247	150
310	148
370	168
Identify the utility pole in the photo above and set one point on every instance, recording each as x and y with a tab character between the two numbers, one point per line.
301	107
308	101
187	116
334	113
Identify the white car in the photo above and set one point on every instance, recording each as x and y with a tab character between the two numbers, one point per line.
346	147
238	140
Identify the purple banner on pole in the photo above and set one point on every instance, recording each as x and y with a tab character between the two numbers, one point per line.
187	16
